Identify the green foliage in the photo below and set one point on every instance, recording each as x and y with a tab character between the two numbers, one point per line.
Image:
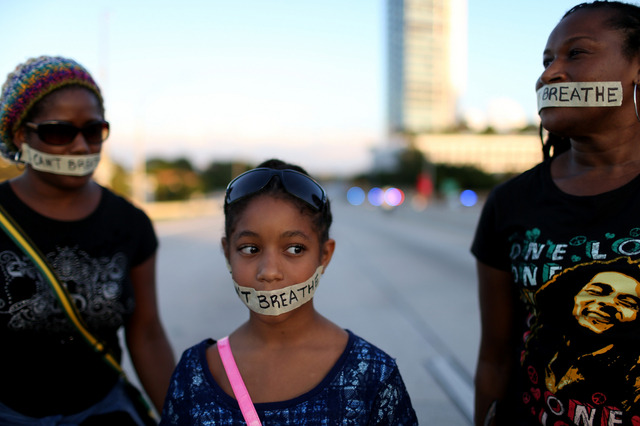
410	162
155	164
489	130
467	177
120	181
217	175
174	179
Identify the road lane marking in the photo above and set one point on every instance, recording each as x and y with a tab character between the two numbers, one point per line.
456	384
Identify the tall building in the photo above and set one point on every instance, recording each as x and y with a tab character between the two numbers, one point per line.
426	64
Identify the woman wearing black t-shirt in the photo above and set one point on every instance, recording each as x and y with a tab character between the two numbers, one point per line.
558	247
101	247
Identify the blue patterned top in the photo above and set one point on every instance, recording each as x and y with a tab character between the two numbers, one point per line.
364	387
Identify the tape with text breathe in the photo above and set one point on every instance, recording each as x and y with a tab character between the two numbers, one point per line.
580	94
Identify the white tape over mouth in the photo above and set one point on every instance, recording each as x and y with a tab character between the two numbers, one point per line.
580	94
68	165
282	300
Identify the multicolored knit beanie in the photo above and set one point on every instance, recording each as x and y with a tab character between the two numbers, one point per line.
28	84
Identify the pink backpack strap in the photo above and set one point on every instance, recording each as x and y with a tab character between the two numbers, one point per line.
237	384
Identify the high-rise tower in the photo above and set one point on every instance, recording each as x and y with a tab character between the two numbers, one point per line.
426	64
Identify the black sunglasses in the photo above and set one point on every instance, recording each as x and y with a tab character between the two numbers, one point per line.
295	183
63	133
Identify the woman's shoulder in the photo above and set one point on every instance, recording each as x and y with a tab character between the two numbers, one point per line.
372	376
534	177
193	395
365	353
117	201
118	206
7	195
196	351
521	190
192	366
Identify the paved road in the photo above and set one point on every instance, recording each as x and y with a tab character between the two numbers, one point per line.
402	279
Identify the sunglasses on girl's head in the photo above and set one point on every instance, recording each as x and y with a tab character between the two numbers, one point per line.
63	133
295	183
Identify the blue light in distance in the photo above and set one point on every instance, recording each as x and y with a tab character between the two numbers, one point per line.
355	196
468	198
376	196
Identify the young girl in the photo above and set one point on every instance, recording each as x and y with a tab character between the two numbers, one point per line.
298	367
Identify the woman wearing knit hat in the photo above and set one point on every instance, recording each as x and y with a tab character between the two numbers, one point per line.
99	246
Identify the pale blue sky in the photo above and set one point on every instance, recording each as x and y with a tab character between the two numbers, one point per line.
297	79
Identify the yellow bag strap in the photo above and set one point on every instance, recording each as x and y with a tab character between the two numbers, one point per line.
13	230
22	240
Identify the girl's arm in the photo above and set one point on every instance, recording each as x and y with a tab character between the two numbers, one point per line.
496	360
147	342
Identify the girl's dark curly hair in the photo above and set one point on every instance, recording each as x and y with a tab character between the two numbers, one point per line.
321	219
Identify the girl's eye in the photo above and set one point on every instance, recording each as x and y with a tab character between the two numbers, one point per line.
295	249
248	249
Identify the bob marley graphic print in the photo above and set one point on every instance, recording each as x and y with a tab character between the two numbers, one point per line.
575	262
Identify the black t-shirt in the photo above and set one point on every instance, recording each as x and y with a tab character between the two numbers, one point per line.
46	368
575	261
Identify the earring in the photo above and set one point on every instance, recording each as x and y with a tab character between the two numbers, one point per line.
17	160
635	102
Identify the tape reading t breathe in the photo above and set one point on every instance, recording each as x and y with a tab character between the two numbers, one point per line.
580	94
282	300
69	165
